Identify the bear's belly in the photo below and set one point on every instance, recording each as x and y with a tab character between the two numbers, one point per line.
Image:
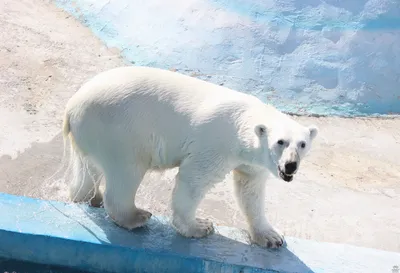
167	151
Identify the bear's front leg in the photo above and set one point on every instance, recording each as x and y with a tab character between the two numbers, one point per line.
250	193
185	200
195	177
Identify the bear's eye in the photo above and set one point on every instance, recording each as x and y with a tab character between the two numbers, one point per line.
303	145
280	142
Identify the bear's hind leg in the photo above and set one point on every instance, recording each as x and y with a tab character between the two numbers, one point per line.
85	183
122	182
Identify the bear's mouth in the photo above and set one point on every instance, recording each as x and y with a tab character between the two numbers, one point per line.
285	177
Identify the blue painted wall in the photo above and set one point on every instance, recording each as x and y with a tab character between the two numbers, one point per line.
84	238
335	57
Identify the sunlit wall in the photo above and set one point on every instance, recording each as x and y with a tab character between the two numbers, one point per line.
335	57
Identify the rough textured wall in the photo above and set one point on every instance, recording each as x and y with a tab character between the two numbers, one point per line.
336	57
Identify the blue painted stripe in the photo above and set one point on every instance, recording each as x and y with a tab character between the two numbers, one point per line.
356	77
297	19
83	238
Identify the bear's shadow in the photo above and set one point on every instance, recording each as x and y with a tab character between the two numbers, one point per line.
226	245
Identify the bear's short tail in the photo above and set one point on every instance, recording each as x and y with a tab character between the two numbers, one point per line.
65	130
65	127
53	180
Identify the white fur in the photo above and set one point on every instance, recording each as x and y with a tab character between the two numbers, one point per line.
129	120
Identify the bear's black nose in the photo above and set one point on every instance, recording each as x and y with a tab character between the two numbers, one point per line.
290	167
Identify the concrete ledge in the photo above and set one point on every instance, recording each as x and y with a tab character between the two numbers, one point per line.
83	238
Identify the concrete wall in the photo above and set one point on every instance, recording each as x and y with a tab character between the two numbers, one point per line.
306	56
84	238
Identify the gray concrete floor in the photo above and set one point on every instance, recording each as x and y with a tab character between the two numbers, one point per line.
346	192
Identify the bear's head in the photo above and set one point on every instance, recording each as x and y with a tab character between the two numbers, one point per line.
288	143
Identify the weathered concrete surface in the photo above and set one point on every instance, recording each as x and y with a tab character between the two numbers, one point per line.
346	192
86	239
264	47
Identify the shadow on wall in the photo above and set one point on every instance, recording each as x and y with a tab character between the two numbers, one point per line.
158	236
334	57
86	239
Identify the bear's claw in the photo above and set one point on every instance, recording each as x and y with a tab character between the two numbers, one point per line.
138	219
201	228
269	238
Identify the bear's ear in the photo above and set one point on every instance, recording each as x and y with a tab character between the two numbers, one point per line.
313	131
261	130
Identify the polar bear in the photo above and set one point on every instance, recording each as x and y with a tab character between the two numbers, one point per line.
129	120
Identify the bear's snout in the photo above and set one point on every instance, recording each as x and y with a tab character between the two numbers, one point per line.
290	167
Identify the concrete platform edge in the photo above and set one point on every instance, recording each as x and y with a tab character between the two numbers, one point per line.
81	237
